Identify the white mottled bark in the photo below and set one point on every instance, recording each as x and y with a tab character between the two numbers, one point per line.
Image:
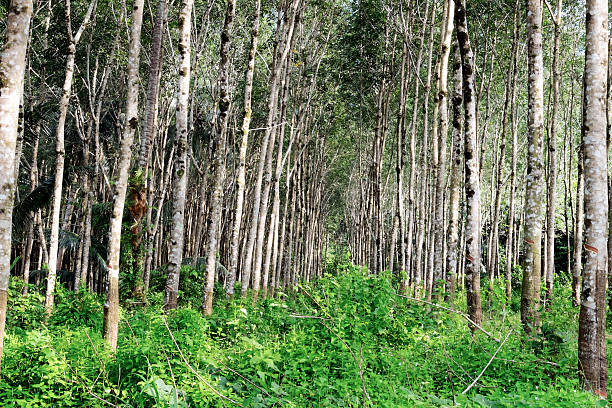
438	263
181	165
60	151
421	221
241	172
534	190
220	133
260	220
472	171
514	147
455	177
12	69
111	306
410	221
552	158
592	360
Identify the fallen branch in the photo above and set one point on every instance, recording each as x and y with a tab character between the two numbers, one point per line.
466	317
295	316
488	364
244	378
171	376
195	372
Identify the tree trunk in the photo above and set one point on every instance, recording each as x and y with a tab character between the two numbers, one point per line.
61	152
455	176
111	306
472	177
241	172
552	158
220	134
412	174
511	222
438	263
259	221
12	69
592	361
534	190
181	166
418	275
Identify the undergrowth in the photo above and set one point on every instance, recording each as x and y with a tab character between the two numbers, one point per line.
346	341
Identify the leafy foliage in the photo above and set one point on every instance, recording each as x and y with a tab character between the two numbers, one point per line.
310	350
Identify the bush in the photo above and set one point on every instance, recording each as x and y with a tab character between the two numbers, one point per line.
324	346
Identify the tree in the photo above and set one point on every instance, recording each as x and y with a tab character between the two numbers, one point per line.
181	165
60	150
12	69
472	171
241	172
455	175
552	157
443	134
220	134
592	360
111	306
534	191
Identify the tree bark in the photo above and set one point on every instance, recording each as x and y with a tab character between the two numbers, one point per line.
241	172
592	361
514	123
12	70
552	158
455	176
404	285
220	134
60	150
472	177
181	166
534	190
438	264
111	305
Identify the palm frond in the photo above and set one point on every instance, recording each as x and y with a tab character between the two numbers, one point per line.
35	200
97	257
68	240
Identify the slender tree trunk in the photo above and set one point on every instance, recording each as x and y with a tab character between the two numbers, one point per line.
438	264
399	221
247	267
419	278
412	174
534	190
592	361
260	220
455	176
511	222
472	177
181	166
12	70
152	85
552	158
111	306
241	172
220	133
61	152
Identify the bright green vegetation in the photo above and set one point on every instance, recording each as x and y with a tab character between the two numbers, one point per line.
278	355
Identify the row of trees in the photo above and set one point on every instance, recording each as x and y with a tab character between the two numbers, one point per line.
122	211
267	136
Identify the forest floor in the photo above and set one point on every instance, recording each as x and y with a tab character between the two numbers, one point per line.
347	341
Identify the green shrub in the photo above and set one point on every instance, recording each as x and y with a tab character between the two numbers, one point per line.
323	346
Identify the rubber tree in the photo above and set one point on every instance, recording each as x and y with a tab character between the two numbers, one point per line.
534	189
592	361
111	305
12	69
